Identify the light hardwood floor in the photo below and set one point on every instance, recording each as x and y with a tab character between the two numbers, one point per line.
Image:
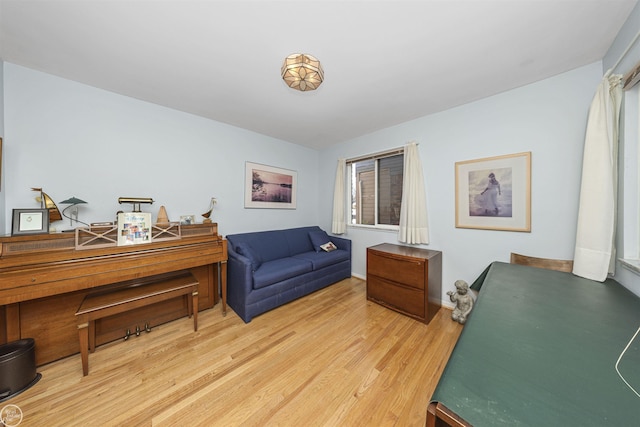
329	359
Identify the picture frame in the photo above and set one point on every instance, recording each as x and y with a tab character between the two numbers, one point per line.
134	228
30	221
494	193
269	187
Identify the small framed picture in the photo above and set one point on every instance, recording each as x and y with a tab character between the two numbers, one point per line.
30	221
187	219
134	228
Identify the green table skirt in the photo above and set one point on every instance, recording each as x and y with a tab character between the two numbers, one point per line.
540	349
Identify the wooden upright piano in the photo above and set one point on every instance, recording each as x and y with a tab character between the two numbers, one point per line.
44	278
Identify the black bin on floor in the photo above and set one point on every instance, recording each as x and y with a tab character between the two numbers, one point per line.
17	367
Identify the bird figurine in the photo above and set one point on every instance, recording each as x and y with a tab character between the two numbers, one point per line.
207	214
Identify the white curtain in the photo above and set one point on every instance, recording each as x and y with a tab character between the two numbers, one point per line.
338	225
594	255
413	210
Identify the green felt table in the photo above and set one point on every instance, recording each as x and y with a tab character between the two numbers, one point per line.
540	349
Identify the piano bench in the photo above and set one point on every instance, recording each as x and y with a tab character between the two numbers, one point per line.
129	295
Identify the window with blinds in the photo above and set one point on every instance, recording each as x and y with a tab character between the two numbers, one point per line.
376	189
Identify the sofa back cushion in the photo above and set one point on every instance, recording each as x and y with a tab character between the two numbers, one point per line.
267	245
298	239
274	244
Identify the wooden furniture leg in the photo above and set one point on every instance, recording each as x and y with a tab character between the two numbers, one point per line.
194	304
83	335
223	277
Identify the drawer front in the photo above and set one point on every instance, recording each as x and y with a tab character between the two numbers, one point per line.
408	271
402	298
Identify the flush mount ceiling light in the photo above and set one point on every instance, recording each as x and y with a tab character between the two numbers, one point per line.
302	72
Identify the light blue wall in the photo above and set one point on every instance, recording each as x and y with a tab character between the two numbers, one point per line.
547	118
76	140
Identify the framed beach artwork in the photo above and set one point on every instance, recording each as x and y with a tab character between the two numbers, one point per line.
269	187
494	193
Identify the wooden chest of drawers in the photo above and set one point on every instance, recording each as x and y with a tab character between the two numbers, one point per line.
405	279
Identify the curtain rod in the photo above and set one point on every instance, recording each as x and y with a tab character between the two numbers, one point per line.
608	73
387	153
377	155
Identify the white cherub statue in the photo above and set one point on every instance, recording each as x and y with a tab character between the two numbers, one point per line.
463	300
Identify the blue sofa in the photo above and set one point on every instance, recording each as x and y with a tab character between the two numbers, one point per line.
267	269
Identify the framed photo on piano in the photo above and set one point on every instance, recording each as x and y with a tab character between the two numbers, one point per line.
134	228
30	221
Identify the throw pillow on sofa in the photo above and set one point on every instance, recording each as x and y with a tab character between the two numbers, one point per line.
320	239
328	247
247	251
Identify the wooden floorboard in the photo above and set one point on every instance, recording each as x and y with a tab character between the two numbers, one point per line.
329	359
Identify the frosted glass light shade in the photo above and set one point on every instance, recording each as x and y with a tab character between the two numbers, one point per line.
302	72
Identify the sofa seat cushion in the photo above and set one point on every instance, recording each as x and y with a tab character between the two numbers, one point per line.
271	272
323	259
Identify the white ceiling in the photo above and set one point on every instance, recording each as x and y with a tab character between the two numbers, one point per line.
385	62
